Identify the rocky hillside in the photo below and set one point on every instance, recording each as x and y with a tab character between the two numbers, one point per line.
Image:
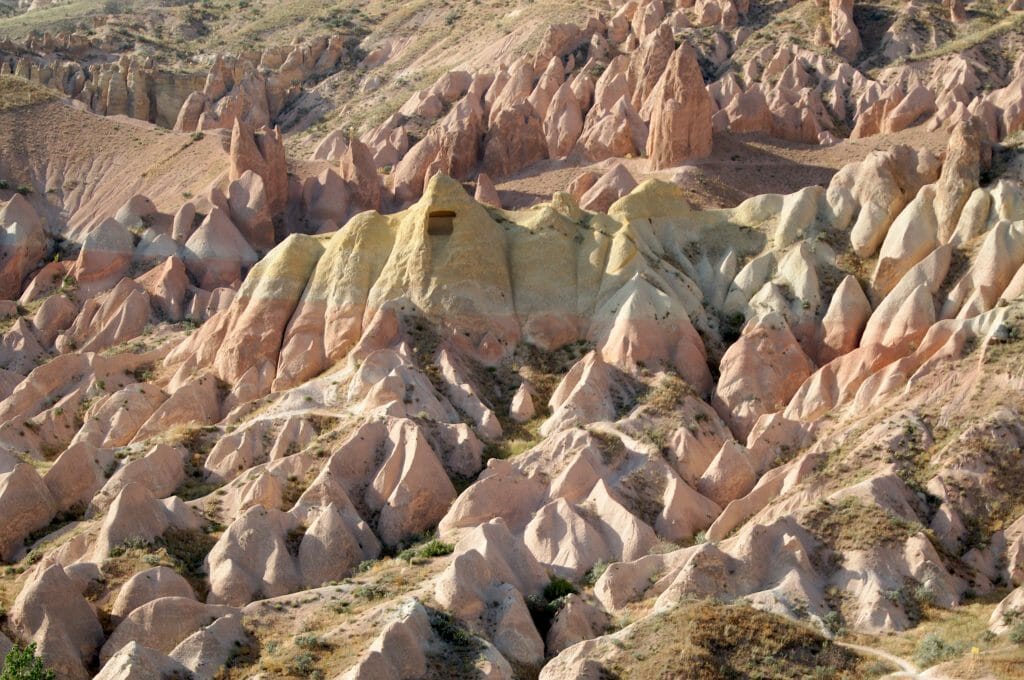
512	340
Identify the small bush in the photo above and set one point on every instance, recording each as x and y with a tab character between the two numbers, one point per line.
1017	634
833	622
432	548
924	595
436	548
932	650
595	573
371	591
303	665
558	588
449	631
24	189
310	641
23	664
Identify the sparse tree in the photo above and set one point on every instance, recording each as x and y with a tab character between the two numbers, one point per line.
23	664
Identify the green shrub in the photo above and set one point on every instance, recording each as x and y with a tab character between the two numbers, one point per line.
371	591
558	588
436	548
23	664
432	548
932	649
303	665
310	641
449	631
1017	634
595	573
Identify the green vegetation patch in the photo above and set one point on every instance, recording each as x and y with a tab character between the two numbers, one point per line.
16	93
851	524
710	641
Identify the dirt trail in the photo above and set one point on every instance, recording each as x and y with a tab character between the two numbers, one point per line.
907	669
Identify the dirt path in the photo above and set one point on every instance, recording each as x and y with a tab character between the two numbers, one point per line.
907	669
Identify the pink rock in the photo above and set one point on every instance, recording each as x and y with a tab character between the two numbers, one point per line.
249	208
248	335
51	611
522	409
563	123
328	551
252	557
681	112
959	177
23	243
610	187
332	147
26	506
550	81
167	285
847	314
643	326
77	475
450	147
748	112
263	153
147	586
55	314
912	236
162	623
759	373
325	200
183	222
359	171
515	140
104	258
195	402
216	252
486	192
930	272
685	511
161	471
845	37
582	183
136	514
729	476
108	320
576	620
649	62
918	103
191	111
411	490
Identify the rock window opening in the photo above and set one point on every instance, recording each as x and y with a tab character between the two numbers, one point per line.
441	223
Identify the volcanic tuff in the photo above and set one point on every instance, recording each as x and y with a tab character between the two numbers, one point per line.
562	340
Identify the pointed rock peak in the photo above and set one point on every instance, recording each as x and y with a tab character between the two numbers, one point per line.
442	193
19	210
652	199
617	182
564	204
486	193
286	267
357	157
